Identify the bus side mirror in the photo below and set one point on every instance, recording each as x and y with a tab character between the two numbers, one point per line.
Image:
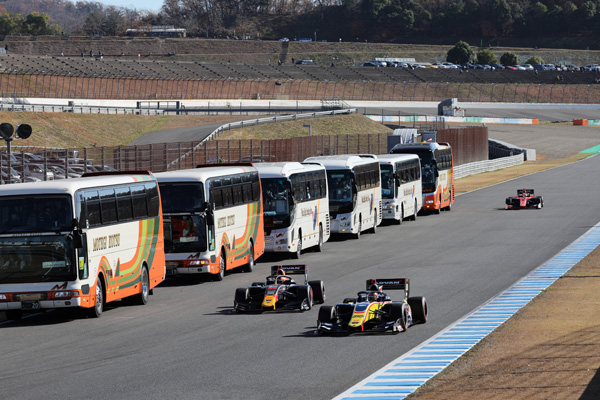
436	173
210	220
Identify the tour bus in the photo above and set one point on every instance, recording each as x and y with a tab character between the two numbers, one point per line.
437	173
354	184
296	206
80	242
400	186
213	219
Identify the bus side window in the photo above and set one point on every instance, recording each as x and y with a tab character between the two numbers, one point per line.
92	206
124	209
152	198
138	196
108	206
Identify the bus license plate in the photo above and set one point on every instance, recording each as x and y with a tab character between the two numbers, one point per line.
171	270
30	305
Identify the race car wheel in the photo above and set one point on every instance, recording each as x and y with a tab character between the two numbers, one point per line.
415	211
541	203
398	313
250	266
319	246
327	314
298	252
418	307
142	297
318	288
305	295
241	296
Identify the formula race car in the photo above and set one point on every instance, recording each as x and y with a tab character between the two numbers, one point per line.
525	199
373	310
280	292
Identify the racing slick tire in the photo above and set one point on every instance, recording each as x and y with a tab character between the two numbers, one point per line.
398	312
305	295
250	266
318	288
241	296
326	314
418	307
541	203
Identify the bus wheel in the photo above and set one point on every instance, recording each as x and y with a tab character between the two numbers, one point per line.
96	311
438	209
357	236
298	252
319	246
142	297
415	211
449	207
250	266
399	221
374	230
222	267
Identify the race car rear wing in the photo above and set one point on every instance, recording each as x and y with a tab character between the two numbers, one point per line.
389	284
291	270
525	192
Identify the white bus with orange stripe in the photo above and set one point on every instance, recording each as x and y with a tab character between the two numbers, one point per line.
400	186
80	242
213	219
354	185
296	206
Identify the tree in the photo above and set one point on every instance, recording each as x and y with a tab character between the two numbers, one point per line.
510	59
38	24
486	57
535	60
461	53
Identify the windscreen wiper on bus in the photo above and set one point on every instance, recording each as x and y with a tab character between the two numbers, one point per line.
8	228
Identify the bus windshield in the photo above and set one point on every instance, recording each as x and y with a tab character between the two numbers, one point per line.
341	190
35	213
182	197
387	181
276	199
30	259
185	233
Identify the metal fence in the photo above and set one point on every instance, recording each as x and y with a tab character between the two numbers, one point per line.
111	87
469	144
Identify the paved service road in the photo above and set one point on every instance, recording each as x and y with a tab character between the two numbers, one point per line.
188	344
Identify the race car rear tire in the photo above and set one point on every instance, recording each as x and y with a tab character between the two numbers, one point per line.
418	307
326	314
318	288
305	296
398	312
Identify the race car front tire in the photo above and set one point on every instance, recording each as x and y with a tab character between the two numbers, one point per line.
318	288
305	296
241	296
326	314
398	313
418	308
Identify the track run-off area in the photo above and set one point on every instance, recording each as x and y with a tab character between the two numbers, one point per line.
187	343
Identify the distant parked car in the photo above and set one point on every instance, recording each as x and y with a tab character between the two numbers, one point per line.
526	67
591	67
497	66
284	39
305	62
449	65
512	67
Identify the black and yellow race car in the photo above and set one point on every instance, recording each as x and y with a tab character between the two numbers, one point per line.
280	291
373	310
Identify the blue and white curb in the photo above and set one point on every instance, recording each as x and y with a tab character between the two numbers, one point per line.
407	373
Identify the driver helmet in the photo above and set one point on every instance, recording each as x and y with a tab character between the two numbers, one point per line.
374	296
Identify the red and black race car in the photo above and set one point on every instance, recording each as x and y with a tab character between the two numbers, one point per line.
525	199
373	310
280	292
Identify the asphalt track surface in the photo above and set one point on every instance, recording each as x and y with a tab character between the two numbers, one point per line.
186	343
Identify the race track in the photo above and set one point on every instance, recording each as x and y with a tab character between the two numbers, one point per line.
188	344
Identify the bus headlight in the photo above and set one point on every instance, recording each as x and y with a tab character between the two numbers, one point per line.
198	262
66	294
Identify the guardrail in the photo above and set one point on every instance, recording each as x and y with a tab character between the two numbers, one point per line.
81	109
477	167
267	120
